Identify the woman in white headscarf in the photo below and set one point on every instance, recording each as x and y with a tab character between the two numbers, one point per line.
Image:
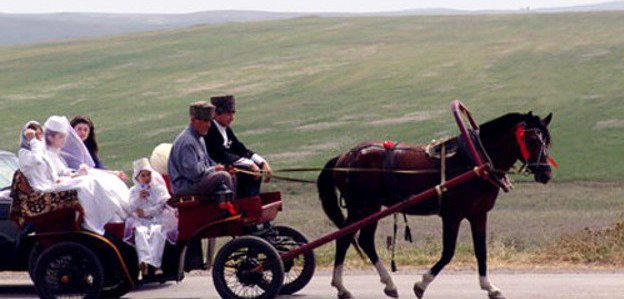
32	159
103	196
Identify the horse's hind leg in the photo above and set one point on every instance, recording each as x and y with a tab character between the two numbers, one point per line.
478	226
367	242
450	229
342	244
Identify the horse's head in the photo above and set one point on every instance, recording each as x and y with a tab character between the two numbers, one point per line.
533	140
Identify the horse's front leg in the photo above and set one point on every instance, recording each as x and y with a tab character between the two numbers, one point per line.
450	229
478	225
367	242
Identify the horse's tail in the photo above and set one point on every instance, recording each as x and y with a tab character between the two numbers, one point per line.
327	193
329	200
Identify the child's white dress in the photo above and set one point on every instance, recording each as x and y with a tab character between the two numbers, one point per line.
158	225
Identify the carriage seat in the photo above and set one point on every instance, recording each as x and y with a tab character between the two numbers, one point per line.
450	145
221	195
48	211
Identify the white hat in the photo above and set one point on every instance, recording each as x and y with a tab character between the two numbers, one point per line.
143	164
140	165
57	123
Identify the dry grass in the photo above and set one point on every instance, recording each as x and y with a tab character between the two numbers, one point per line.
602	247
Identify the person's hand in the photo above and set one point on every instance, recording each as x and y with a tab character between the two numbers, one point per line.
140	212
121	175
230	169
268	172
144	193
83	170
30	134
255	168
219	167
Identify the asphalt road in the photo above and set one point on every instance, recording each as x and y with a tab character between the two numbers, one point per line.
461	284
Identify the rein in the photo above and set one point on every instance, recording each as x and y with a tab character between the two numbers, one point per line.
334	169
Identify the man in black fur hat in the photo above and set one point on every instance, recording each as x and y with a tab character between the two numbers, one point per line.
224	147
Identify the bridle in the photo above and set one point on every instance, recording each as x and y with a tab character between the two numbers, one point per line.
520	134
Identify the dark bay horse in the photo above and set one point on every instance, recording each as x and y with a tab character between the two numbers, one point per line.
507	139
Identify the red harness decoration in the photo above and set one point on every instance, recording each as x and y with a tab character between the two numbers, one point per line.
388	144
552	161
229	207
520	139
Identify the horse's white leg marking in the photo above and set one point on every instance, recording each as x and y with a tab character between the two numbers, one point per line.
492	290
336	282
421	286
390	289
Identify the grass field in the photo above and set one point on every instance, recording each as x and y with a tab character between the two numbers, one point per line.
310	88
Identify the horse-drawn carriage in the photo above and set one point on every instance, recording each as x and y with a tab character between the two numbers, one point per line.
63	259
263	260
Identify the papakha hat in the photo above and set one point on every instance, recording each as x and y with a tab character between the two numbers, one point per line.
223	104
201	110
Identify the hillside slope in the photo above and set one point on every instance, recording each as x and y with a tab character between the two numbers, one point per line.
310	88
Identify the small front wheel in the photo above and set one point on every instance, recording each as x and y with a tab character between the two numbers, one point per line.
248	267
299	271
67	270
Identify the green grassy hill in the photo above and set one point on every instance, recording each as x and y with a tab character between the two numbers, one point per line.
310	88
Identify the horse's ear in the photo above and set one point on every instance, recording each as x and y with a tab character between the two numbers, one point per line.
547	119
530	113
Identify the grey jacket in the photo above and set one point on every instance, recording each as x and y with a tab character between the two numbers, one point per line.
188	162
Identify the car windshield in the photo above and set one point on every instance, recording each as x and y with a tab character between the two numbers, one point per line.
8	165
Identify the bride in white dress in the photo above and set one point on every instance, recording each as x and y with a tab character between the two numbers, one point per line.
103	196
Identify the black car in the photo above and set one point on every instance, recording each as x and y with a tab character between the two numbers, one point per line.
8	165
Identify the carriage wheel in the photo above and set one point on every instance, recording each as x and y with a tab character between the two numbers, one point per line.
116	288
299	271
238	271
35	251
68	270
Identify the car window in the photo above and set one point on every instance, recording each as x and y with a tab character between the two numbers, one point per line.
8	165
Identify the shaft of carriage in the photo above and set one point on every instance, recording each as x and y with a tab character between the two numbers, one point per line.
479	171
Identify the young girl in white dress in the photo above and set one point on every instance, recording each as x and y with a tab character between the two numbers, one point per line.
152	221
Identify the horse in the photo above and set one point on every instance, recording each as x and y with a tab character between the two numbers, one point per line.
503	141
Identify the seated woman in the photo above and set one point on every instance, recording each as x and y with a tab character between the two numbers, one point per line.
103	196
86	131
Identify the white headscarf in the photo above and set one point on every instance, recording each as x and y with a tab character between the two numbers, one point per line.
24	142
143	164
74	152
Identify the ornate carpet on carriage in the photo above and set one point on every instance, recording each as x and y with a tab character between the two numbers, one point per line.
47	211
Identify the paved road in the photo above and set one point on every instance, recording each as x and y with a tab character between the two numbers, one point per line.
462	284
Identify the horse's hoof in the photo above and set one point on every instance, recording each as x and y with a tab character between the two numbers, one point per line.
496	295
344	295
391	293
418	291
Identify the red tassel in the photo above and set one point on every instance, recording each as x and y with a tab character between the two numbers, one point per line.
520	139
388	144
552	161
229	207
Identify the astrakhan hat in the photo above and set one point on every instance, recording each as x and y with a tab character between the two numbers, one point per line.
223	104
201	110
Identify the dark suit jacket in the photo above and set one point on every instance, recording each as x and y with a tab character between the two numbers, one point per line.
221	154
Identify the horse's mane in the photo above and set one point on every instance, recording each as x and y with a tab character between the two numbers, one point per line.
505	123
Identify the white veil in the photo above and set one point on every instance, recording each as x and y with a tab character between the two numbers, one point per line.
74	152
